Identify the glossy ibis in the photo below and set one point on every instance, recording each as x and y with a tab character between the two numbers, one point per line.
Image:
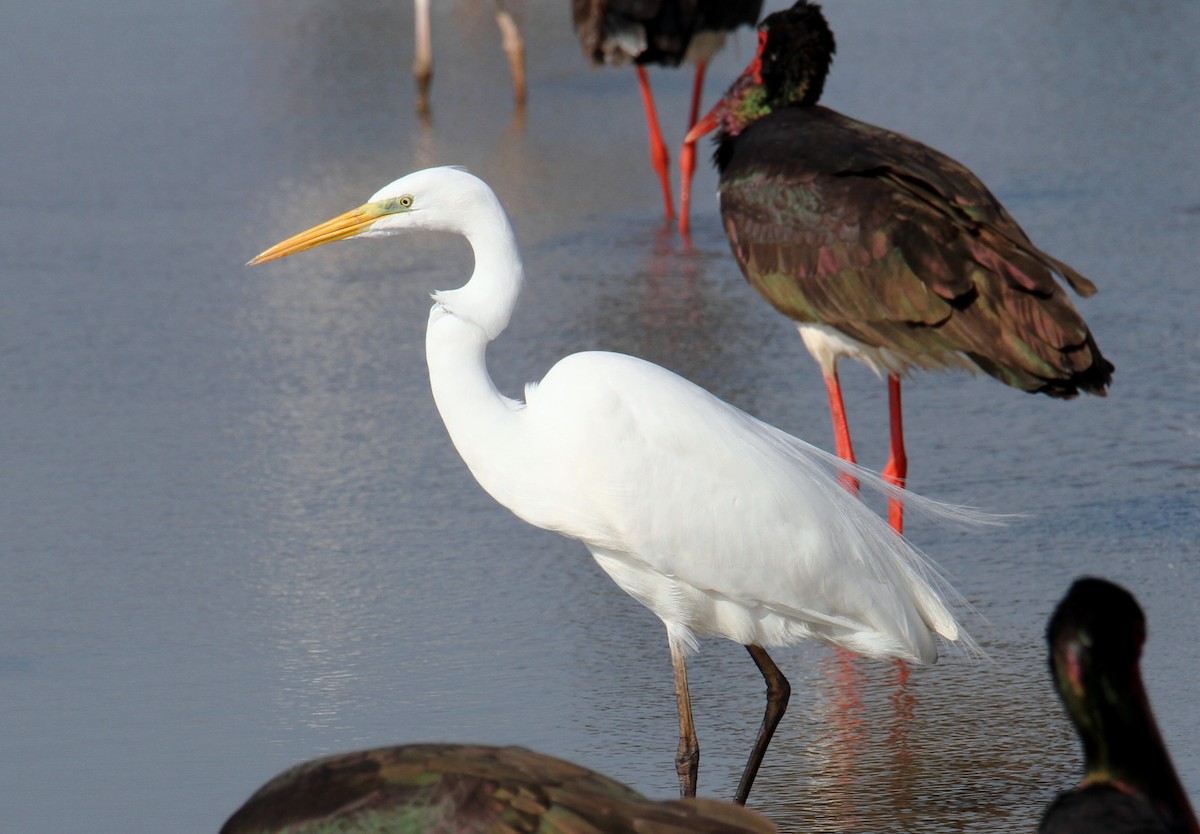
881	248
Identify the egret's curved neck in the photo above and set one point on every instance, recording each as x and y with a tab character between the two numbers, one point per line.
478	417
488	299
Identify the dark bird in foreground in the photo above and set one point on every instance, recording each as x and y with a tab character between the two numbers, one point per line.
1129	783
666	32
881	248
470	788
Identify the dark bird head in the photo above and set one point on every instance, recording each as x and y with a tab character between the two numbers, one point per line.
795	49
1096	636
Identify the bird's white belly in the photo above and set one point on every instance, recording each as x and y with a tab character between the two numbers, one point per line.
704	45
689	612
826	344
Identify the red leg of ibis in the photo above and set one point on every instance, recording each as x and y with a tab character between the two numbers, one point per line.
896	470
778	693
697	93
687	162
841	429
687	156
660	159
687	757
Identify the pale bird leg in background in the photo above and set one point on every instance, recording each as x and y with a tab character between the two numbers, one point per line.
510	38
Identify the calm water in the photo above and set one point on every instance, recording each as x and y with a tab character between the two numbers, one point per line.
233	533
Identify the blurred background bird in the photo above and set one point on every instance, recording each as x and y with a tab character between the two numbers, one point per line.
666	32
510	39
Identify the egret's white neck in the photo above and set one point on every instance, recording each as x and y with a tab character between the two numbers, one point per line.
481	421
488	299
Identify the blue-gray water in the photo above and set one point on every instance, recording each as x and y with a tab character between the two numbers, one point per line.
233	533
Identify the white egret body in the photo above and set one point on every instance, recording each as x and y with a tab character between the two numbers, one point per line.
720	524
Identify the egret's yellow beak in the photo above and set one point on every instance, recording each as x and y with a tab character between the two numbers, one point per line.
341	227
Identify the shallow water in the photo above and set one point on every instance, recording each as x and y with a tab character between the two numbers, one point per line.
233	534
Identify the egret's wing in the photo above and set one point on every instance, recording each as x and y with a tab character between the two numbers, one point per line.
660	473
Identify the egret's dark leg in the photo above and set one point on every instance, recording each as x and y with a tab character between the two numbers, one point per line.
841	429
778	692
896	470
687	757
687	157
660	159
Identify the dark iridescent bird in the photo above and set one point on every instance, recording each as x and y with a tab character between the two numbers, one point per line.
1129	784
881	248
667	32
470	788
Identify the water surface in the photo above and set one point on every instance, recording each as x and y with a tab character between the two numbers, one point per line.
233	533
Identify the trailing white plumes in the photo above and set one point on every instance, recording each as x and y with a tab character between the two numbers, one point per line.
932	508
933	589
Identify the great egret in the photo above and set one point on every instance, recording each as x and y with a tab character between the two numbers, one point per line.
718	523
667	32
510	37
881	248
1129	783
470	788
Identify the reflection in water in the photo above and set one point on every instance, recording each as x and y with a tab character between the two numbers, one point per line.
308	574
859	769
904	705
671	305
842	713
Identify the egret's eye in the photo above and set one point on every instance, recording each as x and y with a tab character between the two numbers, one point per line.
395	204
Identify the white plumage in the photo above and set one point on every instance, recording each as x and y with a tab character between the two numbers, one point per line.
719	523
